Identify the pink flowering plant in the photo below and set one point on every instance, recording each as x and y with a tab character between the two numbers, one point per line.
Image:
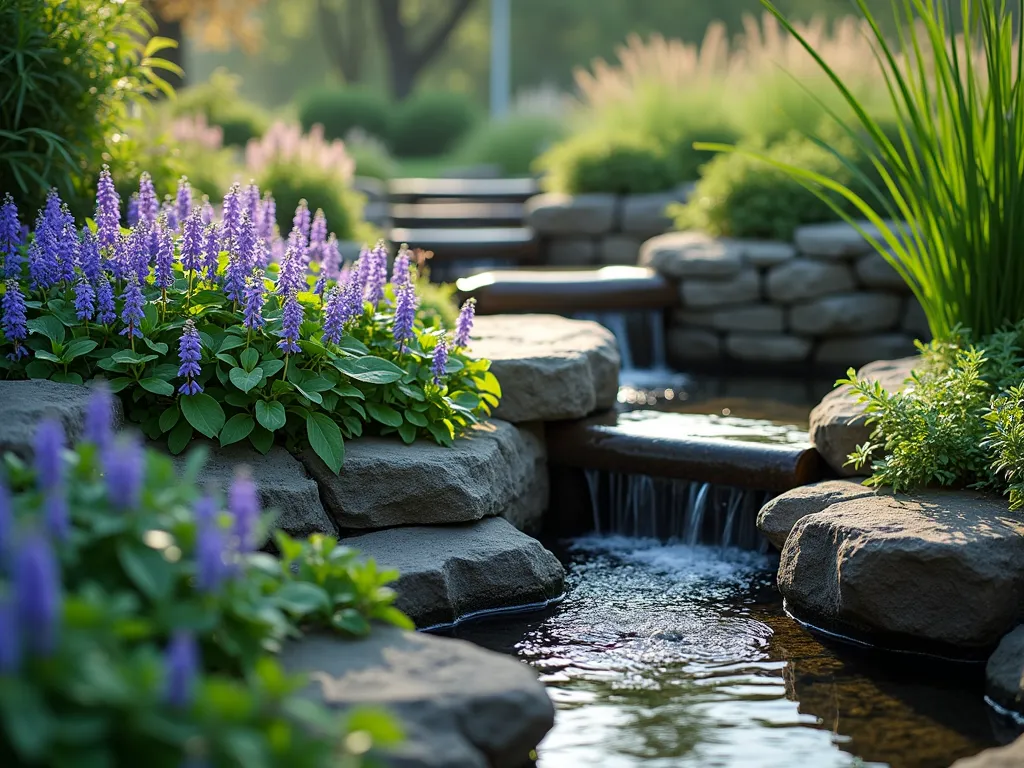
140	624
216	326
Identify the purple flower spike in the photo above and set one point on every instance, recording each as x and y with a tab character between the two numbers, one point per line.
330	260
89	256
169	214
124	471
108	210
405	315
400	272
56	515
254	299
244	505
49	447
99	418
464	325
291	322
267	219
301	221
139	250
106	312
6	525
37	593
181	667
232	218
85	300
439	364
211	254
132	213
10	237
251	200
352	304
149	205
164	272
10	637
334	319
132	313
192	242
317	236
190	353
183	201
376	273
14	322
292	275
211	547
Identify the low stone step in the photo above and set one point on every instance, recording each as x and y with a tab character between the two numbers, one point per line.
686	446
565	291
462	215
516	190
512	244
459	705
451	572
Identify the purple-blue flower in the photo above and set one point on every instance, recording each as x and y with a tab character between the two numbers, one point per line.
149	205
439	363
56	515
267	217
231	218
99	417
244	505
208	213
251	200
211	546
291	322
291	277
163	274
405	315
169	214
106	312
124	472
132	312
89	259
242	259
132	214
333	316
37	593
44	254
49	445
464	325
108	210
254	299
190	352
10	636
10	237
330	261
140	249
400	271
376	272
181	669
85	300
211	254
301	222
183	201
14	322
192	242
317	235
6	525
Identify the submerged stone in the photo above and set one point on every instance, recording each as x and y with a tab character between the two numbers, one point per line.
943	568
495	469
1004	673
449	572
1010	756
777	518
459	705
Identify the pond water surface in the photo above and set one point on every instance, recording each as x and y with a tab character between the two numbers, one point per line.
668	655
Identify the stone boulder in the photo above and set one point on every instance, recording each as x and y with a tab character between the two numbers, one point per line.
450	572
943	568
283	485
549	367
836	240
768	347
495	468
837	423
803	279
777	518
460	706
557	214
857	350
646	215
1004	673
847	314
1010	756
23	404
707	293
692	254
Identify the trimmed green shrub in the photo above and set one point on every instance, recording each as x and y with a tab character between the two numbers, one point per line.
602	162
293	182
340	110
512	143
371	156
431	123
219	101
72	74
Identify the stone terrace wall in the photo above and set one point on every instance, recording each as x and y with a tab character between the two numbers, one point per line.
826	299
598	229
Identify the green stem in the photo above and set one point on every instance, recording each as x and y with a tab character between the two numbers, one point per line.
285	374
131	333
188	292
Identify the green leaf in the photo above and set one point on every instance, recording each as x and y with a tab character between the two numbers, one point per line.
204	413
317	384
245	380
66	378
408	433
270	414
271	366
179	437
302	597
131	358
119	383
224	357
42	354
353	346
38	369
230	342
147	569
237	399
77	348
249	358
385	414
238	427
417	418
157	386
489	383
372	370
169	418
351	621
261	439
325	440
157	346
48	326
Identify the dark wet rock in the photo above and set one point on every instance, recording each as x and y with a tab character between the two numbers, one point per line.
942	569
496	468
23	404
777	518
767	347
838	421
281	480
448	572
1010	756
549	367
850	351
684	446
459	705
1004	673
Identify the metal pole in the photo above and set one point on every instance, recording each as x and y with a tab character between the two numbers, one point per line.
501	55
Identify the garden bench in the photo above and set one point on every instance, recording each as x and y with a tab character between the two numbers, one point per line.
471	190
435	215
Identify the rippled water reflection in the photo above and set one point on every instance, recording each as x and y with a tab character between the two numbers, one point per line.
682	656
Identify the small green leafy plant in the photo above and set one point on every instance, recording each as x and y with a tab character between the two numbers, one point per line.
140	625
607	162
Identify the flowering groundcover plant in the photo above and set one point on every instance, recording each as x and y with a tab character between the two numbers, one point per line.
139	625
223	329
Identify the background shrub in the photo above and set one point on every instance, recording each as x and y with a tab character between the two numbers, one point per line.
219	101
600	162
371	156
291	182
431	123
340	110
512	143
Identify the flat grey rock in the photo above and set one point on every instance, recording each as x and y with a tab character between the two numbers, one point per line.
692	254
706	293
449	572
804	279
576	215
847	314
459	705
760	318
495	468
777	518
836	240
768	347
549	367
23	404
687	344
